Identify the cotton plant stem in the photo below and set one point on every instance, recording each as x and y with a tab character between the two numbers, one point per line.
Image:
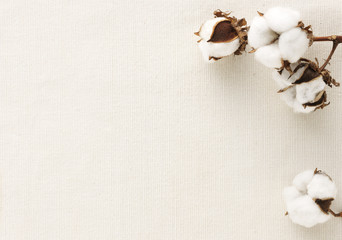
328	38
335	214
335	44
336	41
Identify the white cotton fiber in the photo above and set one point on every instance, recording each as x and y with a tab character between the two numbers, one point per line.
299	108
322	187
307	92
217	50
205	50
280	80
293	44
289	97
269	56
302	180
282	19
305	212
260	34
291	193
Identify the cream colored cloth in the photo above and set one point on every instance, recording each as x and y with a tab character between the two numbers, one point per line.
113	127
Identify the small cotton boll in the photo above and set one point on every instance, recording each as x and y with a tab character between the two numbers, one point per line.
308	201
307	92
322	187
269	56
260	34
282	19
302	180
208	27
291	193
305	212
293	44
217	50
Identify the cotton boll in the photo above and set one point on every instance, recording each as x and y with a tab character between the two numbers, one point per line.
282	19
295	95
208	27
302	180
305	212
308	201
222	36
291	193
217	50
269	56
322	187
293	44
307	92
260	34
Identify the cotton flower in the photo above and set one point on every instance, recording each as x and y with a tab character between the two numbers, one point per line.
278	36
309	198
222	36
303	86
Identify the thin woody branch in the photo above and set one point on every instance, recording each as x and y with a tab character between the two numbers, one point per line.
335	44
328	38
336	41
335	214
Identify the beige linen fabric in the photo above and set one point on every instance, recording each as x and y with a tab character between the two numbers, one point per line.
113	127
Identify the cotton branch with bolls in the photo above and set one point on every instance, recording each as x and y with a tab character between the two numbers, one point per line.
279	39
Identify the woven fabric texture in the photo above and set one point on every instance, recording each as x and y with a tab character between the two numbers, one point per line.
113	127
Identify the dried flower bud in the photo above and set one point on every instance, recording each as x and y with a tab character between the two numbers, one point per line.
303	89
279	36
309	198
222	36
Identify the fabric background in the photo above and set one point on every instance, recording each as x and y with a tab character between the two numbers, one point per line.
113	127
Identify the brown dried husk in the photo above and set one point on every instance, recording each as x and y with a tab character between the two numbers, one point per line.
240	27
324	205
308	30
224	32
